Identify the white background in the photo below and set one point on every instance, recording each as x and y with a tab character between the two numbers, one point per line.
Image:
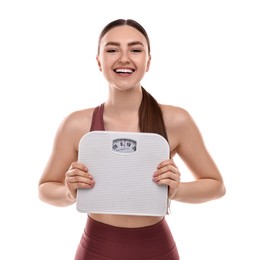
205	58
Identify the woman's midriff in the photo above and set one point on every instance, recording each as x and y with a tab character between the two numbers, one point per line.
126	221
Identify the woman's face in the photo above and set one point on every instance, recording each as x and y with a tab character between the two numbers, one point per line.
123	57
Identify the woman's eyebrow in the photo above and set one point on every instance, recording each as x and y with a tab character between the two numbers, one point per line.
135	43
112	43
129	44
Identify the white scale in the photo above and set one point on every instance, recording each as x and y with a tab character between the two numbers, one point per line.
122	165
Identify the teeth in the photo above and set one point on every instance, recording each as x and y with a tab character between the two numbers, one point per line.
124	70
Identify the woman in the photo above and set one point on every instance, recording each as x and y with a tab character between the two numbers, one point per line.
124	57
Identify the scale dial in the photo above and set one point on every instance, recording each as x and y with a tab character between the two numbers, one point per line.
124	145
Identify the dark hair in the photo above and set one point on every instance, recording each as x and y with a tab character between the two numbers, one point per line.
150	113
150	116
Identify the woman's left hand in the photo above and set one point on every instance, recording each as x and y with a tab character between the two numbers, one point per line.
168	174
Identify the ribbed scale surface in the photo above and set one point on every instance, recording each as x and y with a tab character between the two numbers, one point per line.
123	180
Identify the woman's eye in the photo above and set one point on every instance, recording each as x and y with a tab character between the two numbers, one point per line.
136	50
111	50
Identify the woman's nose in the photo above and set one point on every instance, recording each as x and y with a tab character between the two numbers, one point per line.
124	57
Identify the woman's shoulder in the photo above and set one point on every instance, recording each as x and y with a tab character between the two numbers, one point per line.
77	122
179	125
79	116
85	113
176	115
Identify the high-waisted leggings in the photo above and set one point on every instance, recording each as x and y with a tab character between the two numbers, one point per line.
105	242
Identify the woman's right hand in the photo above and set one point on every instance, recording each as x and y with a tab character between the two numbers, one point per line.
78	177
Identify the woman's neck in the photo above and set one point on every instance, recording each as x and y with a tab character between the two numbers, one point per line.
124	101
121	111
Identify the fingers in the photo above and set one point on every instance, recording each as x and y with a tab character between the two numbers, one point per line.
79	166
78	177
168	174
166	162
167	170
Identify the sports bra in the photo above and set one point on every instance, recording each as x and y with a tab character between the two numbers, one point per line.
97	119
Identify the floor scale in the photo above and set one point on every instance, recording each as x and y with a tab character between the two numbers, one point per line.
122	165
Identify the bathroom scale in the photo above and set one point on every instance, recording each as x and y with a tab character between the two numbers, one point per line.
122	165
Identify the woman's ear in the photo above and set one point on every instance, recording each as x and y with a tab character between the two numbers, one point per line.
148	63
99	63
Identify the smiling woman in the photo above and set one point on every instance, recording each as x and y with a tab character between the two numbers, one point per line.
129	57
123	58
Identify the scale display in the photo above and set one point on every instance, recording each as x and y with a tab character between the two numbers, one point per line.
122	165
124	145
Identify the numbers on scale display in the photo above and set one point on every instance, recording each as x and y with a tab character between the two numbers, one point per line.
124	145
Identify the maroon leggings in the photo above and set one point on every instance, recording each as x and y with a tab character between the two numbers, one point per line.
104	242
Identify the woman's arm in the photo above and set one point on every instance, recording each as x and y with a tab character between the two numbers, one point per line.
189	145
62	175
